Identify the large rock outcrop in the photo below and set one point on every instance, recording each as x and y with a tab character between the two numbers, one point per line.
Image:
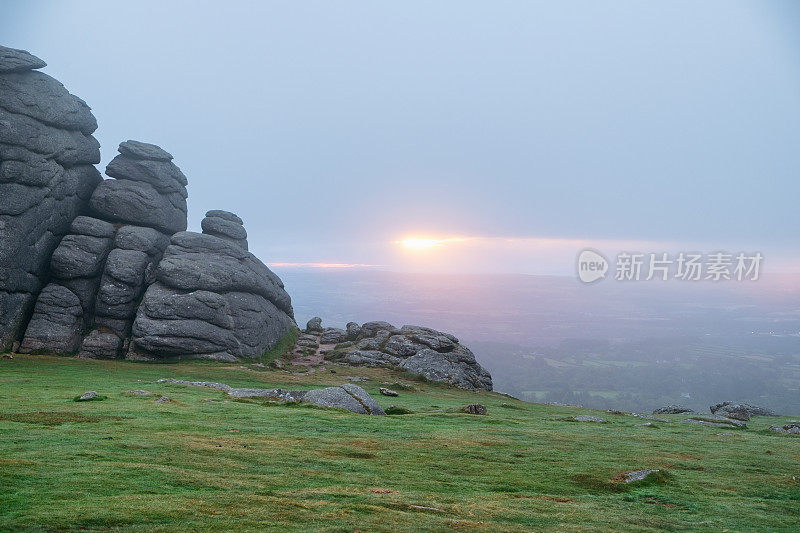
433	354
80	256
213	300
107	260
47	154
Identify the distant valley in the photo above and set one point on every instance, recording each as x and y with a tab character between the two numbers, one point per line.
611	345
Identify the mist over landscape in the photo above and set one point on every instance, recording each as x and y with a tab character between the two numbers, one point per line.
611	346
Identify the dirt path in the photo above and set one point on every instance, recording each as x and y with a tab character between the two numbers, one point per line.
309	352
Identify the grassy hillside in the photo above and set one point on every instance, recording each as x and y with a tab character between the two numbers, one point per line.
206	462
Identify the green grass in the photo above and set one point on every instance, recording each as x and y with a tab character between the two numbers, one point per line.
204	462
282	349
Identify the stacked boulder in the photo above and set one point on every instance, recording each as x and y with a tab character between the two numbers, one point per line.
149	190
212	299
433	354
147	201
47	154
100	270
226	226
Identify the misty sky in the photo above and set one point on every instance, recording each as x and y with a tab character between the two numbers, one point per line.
336	128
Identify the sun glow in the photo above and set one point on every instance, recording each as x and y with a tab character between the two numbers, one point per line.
426	243
420	244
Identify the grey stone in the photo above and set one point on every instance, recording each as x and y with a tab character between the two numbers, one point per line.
223	228
228	294
638	475
142	150
402	346
370	344
726	407
80	256
225	215
371	358
164	176
57	322
13	60
314	325
164	399
715	421
348	396
44	99
370	329
100	344
147	240
89	395
440	343
422	330
93	227
171	323
195	261
587	418
790	427
353	331
433	354
333	336
439	367
138	203
474	409
388	392
46	178
308	343
258	324
672	410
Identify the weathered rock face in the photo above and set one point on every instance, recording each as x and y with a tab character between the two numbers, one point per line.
213	300
47	155
435	355
79	256
106	265
75	268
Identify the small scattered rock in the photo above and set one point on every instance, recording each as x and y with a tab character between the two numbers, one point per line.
389	392
164	399
672	410
89	395
791	427
587	418
653	418
717	421
139	392
474	409
638	475
8	356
